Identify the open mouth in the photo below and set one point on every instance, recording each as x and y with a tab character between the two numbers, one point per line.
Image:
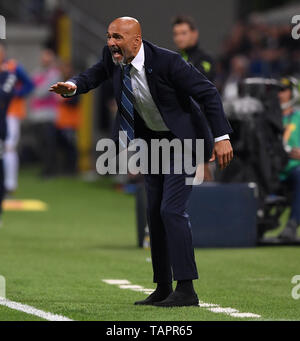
116	52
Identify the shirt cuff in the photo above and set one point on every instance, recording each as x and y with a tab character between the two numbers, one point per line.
73	93
221	138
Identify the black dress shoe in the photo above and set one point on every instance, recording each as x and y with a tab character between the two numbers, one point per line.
156	296
179	299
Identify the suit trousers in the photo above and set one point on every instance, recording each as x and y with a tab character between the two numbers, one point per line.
169	225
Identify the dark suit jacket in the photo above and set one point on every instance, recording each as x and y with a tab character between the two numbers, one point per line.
178	90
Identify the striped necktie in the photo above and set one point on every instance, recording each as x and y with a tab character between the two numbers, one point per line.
127	107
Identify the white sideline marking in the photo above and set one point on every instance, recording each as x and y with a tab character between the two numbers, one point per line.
125	284
245	315
207	305
215	308
223	310
32	311
148	291
130	286
116	281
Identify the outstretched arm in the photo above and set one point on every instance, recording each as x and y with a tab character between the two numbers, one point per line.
88	80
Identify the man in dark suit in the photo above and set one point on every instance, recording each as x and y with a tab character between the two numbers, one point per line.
159	96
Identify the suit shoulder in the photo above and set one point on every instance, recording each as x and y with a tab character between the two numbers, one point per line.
167	53
161	51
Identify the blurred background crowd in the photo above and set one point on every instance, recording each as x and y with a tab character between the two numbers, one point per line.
257	49
49	40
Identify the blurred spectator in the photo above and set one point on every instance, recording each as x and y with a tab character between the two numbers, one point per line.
36	10
67	124
291	174
16	112
186	39
7	84
238	71
269	49
44	109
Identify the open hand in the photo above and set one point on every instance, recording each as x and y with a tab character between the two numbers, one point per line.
223	152
62	88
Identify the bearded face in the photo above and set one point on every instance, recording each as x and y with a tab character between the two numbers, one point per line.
117	55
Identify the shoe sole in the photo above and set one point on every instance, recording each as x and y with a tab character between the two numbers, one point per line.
148	303
177	306
145	303
135	303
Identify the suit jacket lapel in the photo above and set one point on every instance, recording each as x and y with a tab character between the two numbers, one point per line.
150	74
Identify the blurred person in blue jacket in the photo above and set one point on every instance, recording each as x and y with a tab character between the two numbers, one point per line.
15	114
7	85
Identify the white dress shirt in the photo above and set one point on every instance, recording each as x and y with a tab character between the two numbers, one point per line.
145	105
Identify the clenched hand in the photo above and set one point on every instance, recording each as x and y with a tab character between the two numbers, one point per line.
223	152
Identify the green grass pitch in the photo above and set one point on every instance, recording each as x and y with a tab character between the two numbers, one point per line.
55	261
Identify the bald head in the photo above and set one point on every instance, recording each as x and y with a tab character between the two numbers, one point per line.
128	25
124	39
